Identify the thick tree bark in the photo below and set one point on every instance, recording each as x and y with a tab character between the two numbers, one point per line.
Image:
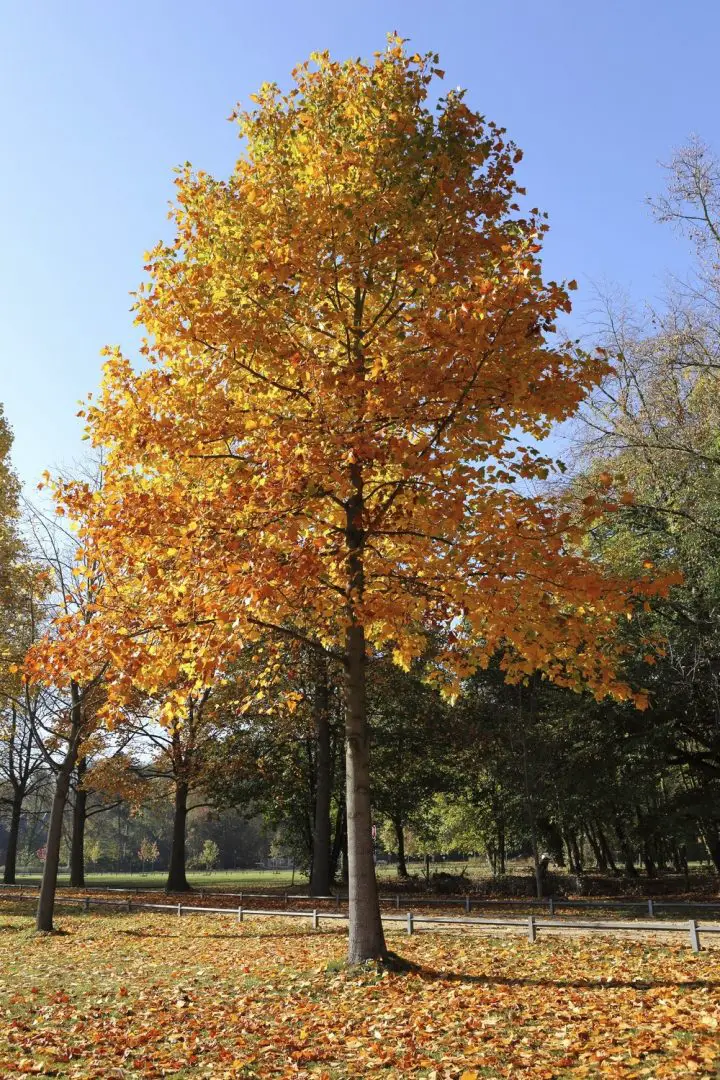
13	836
400	837
177	880
366	938
79	819
320	874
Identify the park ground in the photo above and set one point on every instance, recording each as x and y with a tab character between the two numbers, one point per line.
156	996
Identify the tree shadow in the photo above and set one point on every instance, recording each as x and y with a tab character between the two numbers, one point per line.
564	984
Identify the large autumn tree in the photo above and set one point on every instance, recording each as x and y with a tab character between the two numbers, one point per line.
344	340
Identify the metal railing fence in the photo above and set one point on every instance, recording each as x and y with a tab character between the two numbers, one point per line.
531	924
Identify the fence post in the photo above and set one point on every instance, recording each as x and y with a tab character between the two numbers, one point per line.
86	903
467	905
694	935
315	921
532	930
410	922
240	914
552	905
129	906
651	912
179	909
397	901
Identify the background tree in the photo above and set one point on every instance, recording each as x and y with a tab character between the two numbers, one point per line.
148	852
412	747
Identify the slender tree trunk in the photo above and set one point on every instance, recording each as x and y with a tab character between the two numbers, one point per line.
606	849
177	880
48	887
13	836
712	845
679	859
648	860
575	858
400	837
320	877
501	848
597	850
46	901
626	851
79	819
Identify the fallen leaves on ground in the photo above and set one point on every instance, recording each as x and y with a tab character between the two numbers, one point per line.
158	996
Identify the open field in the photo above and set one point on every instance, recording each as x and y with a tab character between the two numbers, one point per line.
145	996
216	879
228	879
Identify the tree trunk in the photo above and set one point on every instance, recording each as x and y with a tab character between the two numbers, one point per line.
320	877
77	845
679	859
606	849
400	837
13	836
648	860
176	880
46	901
574	856
626	851
48	887
366	939
712	845
598	854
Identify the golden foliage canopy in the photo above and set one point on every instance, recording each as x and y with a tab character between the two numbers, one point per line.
347	346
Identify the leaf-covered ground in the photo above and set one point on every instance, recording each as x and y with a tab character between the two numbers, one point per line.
155	996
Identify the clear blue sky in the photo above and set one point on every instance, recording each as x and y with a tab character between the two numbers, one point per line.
100	100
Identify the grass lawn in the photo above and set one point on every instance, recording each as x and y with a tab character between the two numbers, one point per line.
147	996
226	879
215	879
